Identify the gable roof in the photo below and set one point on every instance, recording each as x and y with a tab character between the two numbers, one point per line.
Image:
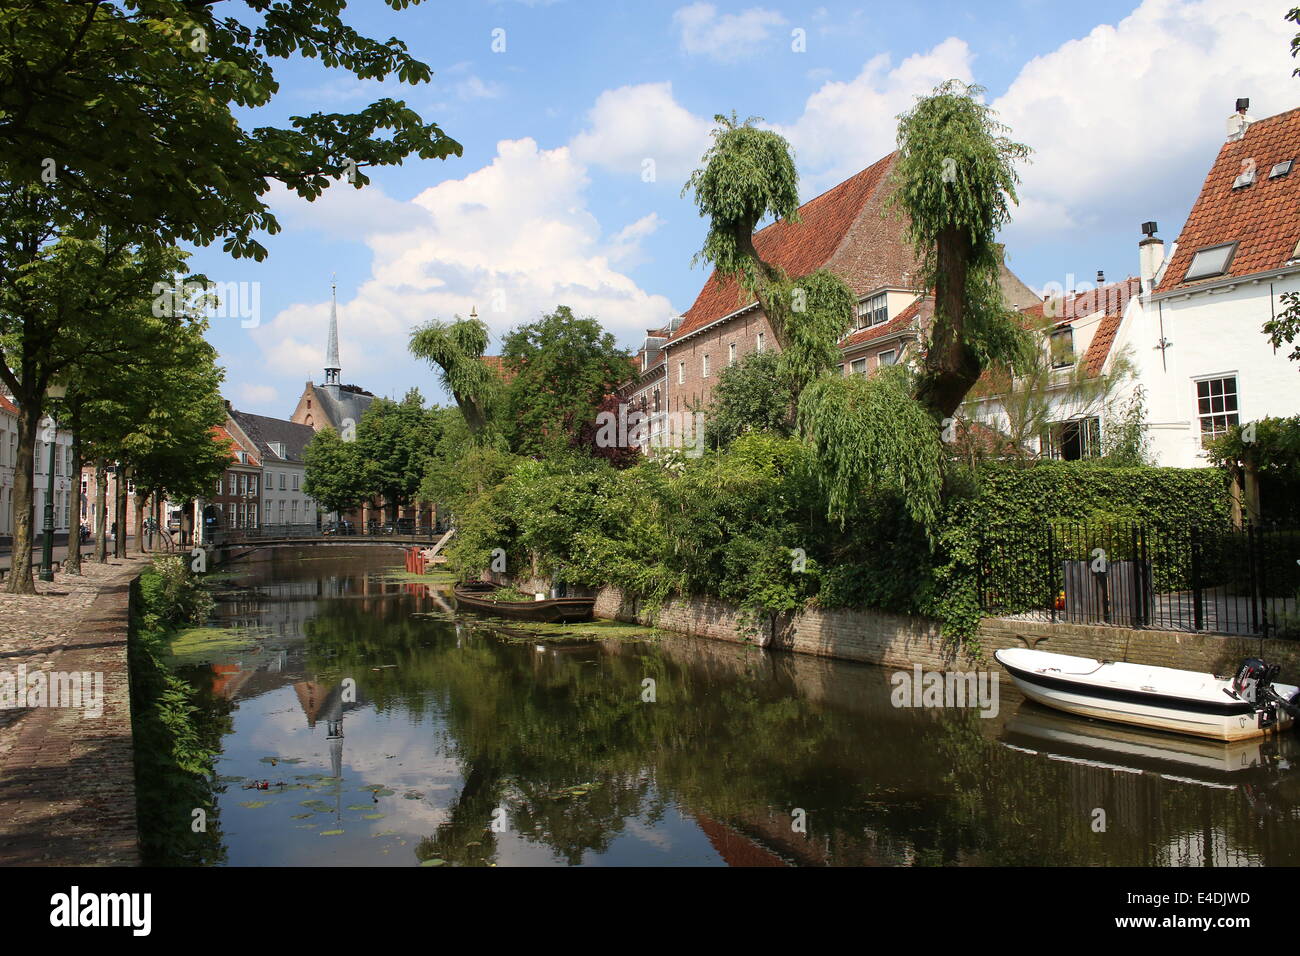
1110	299
8	406
1263	218
881	257
262	431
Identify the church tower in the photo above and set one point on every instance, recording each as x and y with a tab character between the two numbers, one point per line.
332	367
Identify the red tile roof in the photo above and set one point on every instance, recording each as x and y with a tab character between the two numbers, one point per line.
1111	298
1102	340
1263	218
219	433
7	406
800	248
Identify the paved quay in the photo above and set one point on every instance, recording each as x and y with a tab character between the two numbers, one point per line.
67	777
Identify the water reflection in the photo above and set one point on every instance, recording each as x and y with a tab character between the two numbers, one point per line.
465	746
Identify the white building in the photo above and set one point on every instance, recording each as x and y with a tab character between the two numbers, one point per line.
1191	324
66	490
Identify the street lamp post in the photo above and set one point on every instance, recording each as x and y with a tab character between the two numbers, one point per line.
47	546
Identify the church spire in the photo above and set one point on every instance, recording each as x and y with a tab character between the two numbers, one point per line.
332	367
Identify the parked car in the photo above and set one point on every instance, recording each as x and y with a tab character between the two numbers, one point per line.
339	527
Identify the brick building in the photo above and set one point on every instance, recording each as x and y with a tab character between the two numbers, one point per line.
848	230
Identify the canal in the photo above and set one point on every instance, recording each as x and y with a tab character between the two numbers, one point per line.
362	721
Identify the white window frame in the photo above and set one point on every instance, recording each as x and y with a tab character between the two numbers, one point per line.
704	366
1200	416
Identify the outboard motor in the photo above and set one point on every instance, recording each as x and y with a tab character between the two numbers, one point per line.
1254	683
1253	676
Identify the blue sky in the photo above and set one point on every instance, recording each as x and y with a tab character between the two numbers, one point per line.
553	201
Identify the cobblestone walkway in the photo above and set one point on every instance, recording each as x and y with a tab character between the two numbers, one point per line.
67	780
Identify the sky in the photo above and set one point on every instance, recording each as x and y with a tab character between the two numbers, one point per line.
581	121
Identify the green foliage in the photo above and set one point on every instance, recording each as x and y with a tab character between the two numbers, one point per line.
1284	328
1271	445
562	368
457	349
868	437
955	179
1126	441
749	396
394	441
747	175
175	741
334	475
822	310
170	594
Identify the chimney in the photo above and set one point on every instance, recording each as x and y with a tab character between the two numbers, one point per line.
1238	121
1101	278
1151	255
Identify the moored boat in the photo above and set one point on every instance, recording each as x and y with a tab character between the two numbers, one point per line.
477	596
1248	704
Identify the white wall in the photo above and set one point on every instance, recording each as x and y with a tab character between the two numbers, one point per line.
1211	333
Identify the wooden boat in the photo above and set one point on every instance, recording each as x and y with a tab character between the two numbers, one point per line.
1161	698
476	596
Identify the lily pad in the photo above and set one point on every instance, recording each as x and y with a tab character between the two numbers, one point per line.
254	804
434	862
330	832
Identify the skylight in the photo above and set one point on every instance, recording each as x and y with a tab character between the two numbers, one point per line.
1211	261
1281	169
1246	178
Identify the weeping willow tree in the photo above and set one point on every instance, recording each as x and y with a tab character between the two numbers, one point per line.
457	348
955	180
870	437
747	176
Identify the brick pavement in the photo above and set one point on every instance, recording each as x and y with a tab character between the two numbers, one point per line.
67	780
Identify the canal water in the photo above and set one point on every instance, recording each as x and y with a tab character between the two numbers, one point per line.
389	730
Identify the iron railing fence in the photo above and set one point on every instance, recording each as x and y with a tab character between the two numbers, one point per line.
1219	579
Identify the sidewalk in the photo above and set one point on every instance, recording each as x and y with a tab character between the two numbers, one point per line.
67	779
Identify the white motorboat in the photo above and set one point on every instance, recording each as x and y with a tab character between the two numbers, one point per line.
1248	704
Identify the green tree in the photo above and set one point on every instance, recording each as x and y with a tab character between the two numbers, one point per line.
334	473
394	441
748	175
562	369
749	396
955	180
457	348
1284	328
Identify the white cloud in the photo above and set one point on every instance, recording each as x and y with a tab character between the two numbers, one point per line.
632	124
252	394
513	239
474	88
728	37
1126	119
868	106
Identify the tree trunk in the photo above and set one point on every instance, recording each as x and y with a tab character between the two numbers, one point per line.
951	366
20	580
140	499
72	563
101	511
119	513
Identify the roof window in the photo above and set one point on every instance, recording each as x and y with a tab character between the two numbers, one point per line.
1281	169
1210	261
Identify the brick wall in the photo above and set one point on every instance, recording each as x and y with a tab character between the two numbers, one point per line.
880	637
741	331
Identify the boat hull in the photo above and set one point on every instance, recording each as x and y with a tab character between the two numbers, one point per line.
552	611
1154	697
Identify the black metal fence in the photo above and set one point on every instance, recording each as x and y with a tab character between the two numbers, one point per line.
1224	580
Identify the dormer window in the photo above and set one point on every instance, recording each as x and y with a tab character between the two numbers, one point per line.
1210	261
873	310
1281	169
1061	345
